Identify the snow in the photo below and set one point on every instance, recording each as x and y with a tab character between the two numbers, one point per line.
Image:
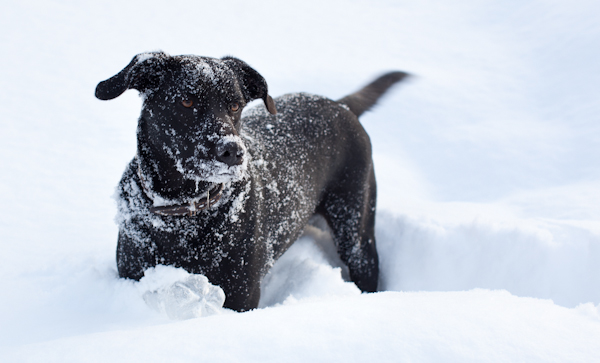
486	160
192	296
390	326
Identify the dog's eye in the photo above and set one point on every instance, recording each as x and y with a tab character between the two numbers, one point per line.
187	103
234	107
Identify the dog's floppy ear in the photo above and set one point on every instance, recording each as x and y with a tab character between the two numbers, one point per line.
142	73
253	84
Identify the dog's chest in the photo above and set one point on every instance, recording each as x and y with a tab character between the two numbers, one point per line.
256	218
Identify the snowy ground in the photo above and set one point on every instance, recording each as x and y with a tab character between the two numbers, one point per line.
487	165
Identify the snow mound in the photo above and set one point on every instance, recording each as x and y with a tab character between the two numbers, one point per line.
310	268
462	326
541	259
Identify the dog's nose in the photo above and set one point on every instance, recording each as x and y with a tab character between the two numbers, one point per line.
230	153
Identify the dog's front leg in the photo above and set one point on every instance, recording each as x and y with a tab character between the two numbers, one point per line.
241	287
240	272
129	260
243	298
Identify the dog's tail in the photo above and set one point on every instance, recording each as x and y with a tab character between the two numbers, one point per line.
367	97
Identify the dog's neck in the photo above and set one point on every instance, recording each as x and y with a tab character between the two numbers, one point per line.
190	208
162	176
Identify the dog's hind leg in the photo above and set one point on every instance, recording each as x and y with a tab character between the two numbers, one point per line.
349	203
349	209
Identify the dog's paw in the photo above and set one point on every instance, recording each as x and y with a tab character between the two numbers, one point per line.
191	297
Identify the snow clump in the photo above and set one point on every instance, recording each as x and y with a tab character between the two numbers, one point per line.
188	297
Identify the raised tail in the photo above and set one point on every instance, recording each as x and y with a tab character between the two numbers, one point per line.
367	97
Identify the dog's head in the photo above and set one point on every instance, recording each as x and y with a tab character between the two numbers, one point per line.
188	132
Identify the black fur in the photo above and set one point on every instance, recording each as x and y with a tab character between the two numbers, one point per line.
313	156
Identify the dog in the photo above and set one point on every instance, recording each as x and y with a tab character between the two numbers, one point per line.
225	196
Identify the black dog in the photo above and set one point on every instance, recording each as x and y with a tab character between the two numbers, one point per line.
225	196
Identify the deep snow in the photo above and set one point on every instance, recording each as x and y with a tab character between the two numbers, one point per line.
486	164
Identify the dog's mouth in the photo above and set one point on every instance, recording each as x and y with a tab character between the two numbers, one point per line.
213	171
189	200
210	174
